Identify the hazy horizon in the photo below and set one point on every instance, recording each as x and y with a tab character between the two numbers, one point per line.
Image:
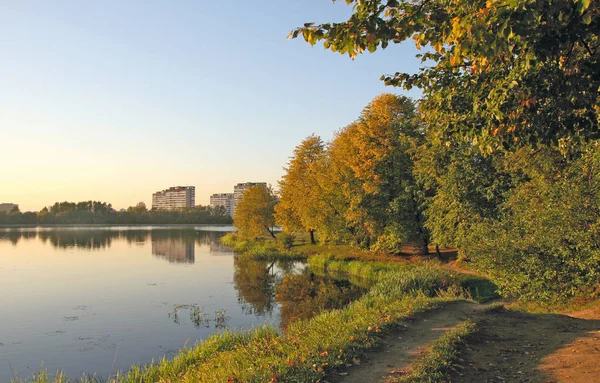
113	102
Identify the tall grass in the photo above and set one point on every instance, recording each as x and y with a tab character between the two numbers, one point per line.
408	278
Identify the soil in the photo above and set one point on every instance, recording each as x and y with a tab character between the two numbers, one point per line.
400	347
519	347
510	346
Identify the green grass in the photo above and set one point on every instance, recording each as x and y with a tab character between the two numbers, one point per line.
441	358
425	276
261	250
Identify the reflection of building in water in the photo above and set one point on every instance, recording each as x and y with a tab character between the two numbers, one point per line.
174	250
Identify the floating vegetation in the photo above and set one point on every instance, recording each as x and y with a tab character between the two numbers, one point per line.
199	317
221	318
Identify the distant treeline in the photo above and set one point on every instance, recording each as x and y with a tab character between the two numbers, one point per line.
95	212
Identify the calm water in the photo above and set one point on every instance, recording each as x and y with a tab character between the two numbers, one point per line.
98	300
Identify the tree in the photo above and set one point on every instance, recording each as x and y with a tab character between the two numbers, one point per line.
372	167
461	187
500	73
544	243
301	205
255	212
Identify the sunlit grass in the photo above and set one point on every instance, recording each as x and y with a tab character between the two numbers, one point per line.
441	357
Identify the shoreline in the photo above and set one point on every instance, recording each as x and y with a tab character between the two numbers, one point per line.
112	225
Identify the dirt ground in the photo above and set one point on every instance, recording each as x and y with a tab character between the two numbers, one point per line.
405	344
518	347
509	346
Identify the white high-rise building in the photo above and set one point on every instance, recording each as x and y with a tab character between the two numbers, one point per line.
176	197
223	199
239	189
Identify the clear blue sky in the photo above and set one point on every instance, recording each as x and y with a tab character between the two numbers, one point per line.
114	100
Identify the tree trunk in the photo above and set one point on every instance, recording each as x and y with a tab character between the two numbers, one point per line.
312	237
424	245
437	251
270	232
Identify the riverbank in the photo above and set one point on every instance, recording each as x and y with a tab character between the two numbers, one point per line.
313	349
341	343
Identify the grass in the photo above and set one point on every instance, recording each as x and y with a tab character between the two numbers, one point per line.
424	276
262	250
441	358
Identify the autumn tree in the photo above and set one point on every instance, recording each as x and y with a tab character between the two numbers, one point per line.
254	215
499	73
301	199
371	166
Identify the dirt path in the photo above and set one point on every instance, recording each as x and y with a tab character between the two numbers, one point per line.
518	347
404	345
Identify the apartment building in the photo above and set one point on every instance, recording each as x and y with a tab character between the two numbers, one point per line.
223	199
239	189
176	197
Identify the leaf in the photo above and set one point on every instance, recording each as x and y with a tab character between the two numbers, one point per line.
587	19
583	6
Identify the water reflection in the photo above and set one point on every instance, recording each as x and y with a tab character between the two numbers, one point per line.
305	295
144	291
255	284
293	288
173	245
174	250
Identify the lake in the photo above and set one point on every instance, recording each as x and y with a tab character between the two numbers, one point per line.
98	299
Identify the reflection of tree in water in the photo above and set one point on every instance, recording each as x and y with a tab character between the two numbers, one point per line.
102	238
260	285
304	295
13	236
255	284
135	236
87	239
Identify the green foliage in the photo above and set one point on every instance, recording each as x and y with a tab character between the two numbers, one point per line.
545	244
498	73
263	250
461	188
95	212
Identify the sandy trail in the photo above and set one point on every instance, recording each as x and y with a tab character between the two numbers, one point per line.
509	346
404	345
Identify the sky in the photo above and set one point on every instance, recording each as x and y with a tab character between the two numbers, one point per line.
114	100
